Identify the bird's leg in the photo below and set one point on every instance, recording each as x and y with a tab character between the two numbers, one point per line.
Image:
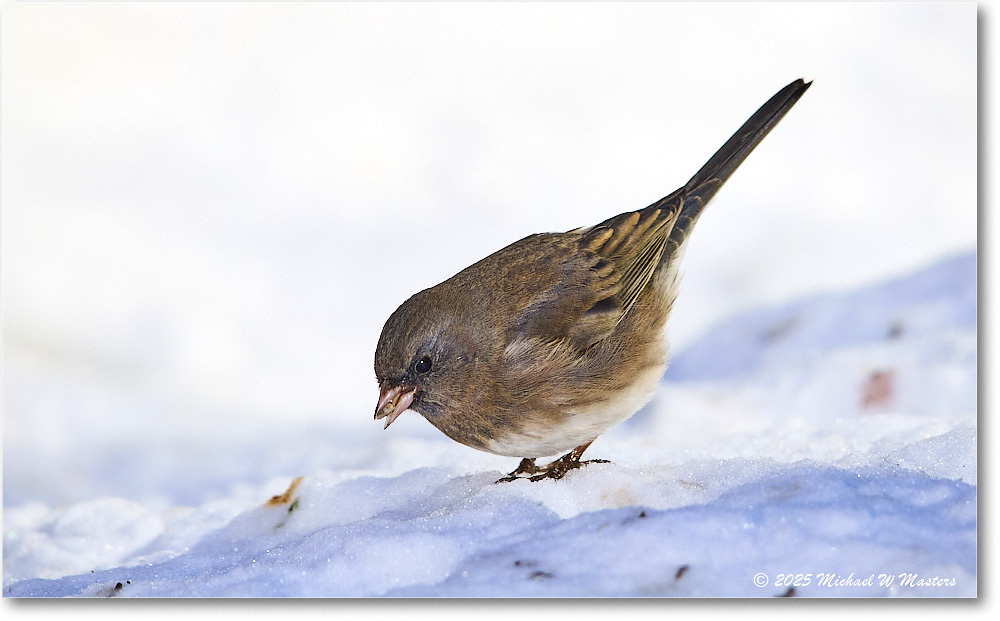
527	466
555	470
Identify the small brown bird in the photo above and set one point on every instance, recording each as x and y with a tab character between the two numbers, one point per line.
543	345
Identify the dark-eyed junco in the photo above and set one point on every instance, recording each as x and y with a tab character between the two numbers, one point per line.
543	345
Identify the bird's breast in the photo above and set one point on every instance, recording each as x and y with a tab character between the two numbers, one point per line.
541	435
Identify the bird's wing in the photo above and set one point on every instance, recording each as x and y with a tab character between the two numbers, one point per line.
603	269
585	290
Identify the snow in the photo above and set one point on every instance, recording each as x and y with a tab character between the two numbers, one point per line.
774	477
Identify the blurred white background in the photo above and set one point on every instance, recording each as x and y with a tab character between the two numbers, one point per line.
209	210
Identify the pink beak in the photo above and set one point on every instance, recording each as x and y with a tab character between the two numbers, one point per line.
393	401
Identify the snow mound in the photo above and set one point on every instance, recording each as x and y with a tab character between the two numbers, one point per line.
916	308
433	531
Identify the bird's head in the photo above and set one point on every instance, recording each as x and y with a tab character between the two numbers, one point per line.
423	357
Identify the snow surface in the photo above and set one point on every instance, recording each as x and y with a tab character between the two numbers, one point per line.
825	447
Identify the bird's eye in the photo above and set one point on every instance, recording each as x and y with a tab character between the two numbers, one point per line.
423	365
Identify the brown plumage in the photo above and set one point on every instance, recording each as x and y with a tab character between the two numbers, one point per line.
543	345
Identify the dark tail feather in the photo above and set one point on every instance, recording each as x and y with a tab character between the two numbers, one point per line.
707	181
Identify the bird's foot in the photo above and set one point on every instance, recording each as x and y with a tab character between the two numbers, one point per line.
555	470
526	467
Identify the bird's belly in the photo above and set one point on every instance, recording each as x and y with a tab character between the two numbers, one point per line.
537	438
